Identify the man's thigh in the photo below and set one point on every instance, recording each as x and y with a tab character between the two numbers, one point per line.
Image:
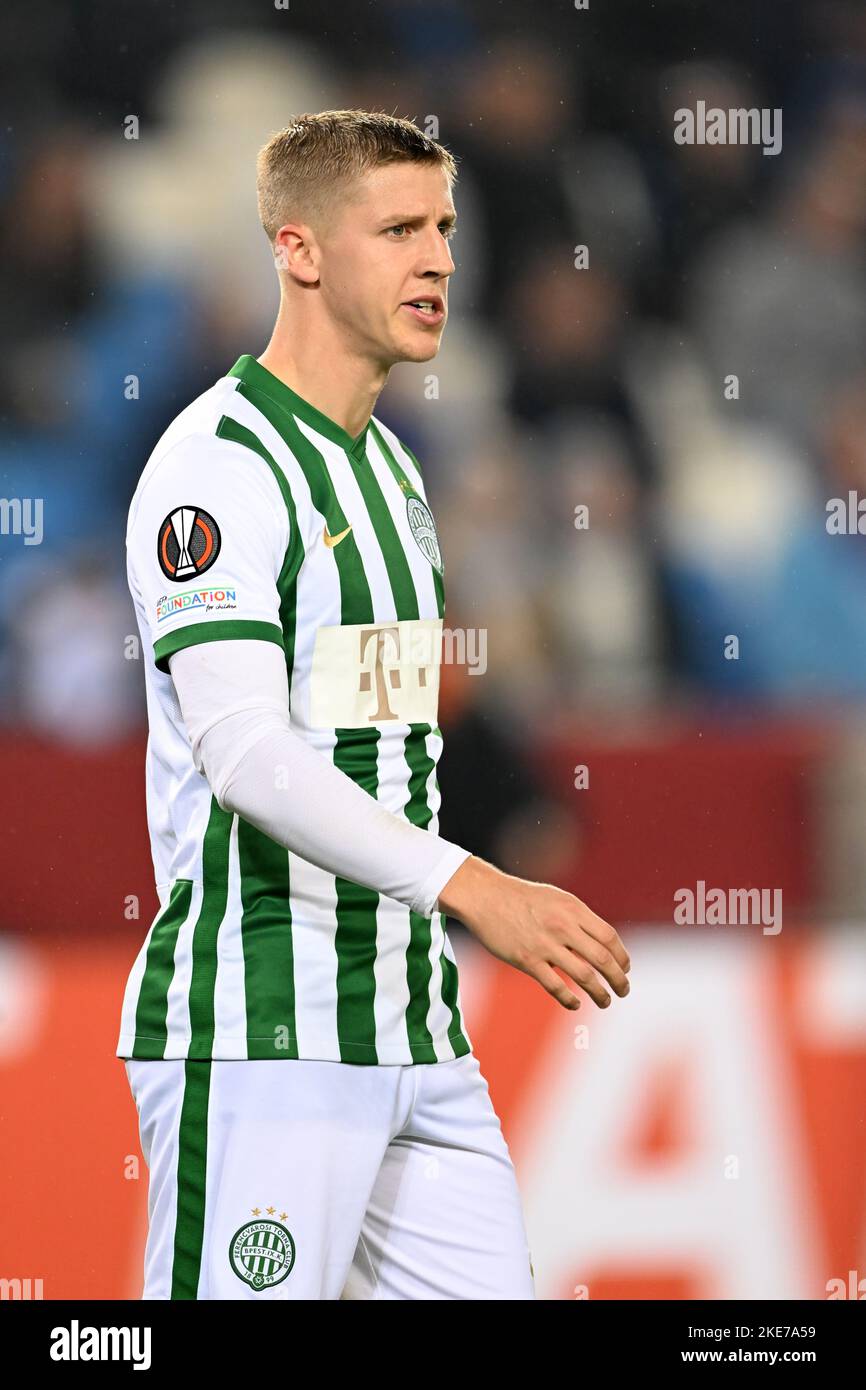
444	1220
260	1172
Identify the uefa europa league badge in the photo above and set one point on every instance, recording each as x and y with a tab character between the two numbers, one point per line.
187	544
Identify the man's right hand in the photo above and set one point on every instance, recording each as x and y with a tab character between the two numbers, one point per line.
536	926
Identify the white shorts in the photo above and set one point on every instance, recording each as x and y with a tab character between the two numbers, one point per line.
325	1180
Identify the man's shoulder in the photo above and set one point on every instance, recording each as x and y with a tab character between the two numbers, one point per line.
193	429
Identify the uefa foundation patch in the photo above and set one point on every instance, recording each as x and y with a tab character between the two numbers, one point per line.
262	1254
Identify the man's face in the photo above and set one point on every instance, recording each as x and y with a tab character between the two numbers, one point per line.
388	246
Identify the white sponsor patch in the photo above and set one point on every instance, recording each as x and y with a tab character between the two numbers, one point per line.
376	673
198	601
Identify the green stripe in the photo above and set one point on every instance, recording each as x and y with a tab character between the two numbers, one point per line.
287	579
456	1036
215	887
418	966
419	969
220	630
252	374
355	939
266	929
417	810
396	563
413	458
191	1181
421	764
151	1031
410	490
266	924
357	604
354	750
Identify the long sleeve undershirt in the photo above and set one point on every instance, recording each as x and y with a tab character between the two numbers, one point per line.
234	700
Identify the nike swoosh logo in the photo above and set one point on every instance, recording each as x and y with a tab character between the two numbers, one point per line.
335	540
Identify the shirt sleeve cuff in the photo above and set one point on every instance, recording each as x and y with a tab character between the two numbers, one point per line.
446	866
220	629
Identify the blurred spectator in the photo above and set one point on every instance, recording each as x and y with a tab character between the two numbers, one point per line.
513	115
780	300
569	330
697	187
816	631
49	274
605	601
134	272
76	656
495	546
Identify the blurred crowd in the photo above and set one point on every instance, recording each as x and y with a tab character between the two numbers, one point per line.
699	387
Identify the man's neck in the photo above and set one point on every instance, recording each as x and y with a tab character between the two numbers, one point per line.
343	387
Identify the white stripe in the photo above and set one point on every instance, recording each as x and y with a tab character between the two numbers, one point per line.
434	744
314	930
177	1014
230	1006
159	1094
438	1014
449	952
133	987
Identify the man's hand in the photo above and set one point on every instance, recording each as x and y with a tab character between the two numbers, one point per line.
536	926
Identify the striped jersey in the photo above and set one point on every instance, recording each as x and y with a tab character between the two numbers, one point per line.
258	516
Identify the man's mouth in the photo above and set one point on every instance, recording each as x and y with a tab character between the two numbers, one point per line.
427	310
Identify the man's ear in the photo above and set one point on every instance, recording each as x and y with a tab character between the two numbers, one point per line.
296	253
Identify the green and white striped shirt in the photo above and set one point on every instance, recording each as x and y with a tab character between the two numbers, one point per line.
257	516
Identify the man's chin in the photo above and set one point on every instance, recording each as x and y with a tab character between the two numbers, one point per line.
418	348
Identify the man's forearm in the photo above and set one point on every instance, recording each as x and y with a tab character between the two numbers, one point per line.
318	812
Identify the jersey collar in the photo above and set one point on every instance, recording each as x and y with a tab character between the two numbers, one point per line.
251	371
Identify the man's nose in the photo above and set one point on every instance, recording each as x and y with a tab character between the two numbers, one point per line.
438	260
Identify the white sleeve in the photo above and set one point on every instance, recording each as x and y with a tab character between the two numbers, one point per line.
234	699
207	539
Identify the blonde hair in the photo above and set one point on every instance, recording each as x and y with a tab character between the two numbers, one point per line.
302	170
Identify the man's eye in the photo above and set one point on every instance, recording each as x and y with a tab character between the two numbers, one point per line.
446	228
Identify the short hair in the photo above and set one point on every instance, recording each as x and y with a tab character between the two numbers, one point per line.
301	170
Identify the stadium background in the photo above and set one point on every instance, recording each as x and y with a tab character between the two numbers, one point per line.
704	1138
